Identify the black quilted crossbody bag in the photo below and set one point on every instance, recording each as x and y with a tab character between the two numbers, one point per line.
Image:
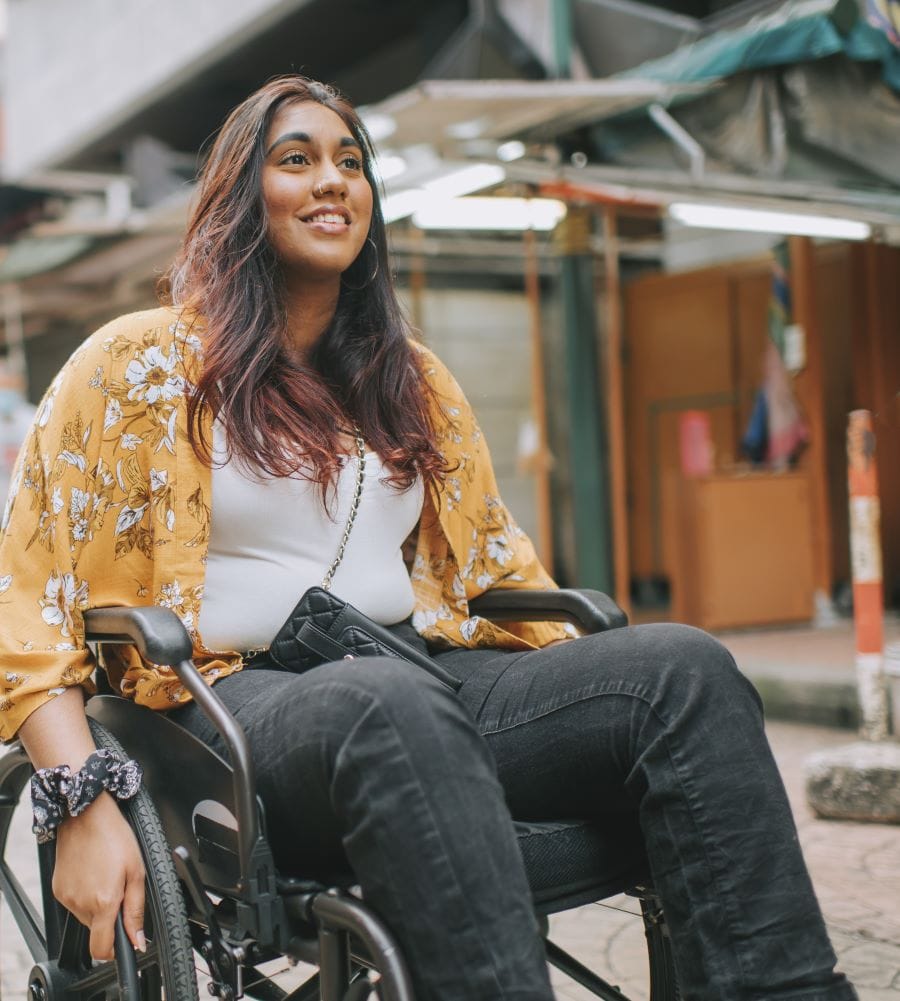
323	628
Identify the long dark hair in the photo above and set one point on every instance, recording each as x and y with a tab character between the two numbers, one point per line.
280	413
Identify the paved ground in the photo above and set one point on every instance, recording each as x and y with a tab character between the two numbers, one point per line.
855	867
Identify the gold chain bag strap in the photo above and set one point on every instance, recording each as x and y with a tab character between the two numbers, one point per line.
323	628
354	507
258	651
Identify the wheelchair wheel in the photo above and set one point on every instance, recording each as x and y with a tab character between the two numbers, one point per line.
636	954
57	943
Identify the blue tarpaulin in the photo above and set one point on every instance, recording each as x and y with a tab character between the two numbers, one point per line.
780	40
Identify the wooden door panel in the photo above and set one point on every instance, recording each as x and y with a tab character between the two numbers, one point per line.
680	356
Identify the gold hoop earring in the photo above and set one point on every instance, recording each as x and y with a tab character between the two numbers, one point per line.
371	278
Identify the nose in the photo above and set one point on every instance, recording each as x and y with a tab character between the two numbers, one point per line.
330	182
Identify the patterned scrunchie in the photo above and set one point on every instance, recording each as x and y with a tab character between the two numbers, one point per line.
57	793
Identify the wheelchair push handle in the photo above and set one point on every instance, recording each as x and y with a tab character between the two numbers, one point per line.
161	638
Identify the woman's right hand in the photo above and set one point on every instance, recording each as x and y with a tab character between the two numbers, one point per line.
98	862
99	870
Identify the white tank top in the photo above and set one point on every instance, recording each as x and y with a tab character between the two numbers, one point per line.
271	539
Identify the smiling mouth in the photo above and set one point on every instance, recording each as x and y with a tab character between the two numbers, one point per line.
331	218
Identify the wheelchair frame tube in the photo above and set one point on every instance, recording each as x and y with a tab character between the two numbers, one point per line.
336	911
239	755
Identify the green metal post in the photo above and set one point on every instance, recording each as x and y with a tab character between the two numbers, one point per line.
561	14
587	438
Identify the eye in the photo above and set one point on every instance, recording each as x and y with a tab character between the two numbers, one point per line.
351	162
295	158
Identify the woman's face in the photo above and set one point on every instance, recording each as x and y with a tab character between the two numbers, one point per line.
317	197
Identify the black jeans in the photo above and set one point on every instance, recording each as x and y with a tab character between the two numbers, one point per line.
374	762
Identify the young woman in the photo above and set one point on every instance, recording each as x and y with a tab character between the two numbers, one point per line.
203	456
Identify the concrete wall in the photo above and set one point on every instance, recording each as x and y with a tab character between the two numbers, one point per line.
688	248
483	339
73	70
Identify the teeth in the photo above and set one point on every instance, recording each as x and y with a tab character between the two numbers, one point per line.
328	217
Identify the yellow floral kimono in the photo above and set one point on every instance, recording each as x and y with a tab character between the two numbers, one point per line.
109	505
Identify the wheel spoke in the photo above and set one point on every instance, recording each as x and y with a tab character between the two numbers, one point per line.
74	953
151	982
25	913
262	986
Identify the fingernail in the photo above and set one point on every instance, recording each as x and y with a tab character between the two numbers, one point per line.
141	941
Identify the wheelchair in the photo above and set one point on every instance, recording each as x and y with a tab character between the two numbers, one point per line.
213	890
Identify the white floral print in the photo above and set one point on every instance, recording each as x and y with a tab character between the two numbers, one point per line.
63	593
154	376
45	410
113	413
130	442
167	438
78	520
129	516
468	627
498	548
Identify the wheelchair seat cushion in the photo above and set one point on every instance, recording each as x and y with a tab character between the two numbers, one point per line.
574	862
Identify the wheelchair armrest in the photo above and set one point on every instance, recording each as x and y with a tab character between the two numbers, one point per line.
157	632
592	611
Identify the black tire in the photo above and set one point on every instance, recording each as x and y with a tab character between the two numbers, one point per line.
59	948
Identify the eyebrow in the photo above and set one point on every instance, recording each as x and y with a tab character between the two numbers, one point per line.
304	137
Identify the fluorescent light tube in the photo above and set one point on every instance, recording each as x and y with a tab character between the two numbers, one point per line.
490	213
763	221
464	181
443	188
512	150
400	204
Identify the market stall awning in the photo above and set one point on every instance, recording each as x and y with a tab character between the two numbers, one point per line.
448	112
30	256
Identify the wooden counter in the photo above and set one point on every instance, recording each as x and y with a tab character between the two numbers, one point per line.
746	551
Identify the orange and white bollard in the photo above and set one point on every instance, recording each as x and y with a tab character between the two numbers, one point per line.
865	551
861	781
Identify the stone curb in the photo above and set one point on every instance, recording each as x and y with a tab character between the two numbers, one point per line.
824	703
